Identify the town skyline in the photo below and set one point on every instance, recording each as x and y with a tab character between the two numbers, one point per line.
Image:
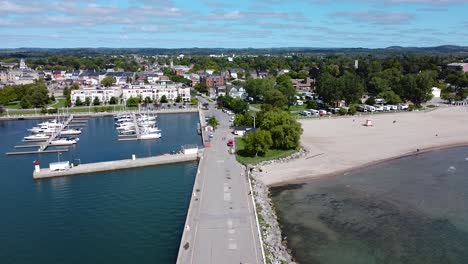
223	24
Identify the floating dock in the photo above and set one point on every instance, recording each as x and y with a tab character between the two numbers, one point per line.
116	165
36	152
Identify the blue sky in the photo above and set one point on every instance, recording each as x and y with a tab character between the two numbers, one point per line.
232	24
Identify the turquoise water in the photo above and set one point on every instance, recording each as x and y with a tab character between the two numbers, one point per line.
129	216
411	210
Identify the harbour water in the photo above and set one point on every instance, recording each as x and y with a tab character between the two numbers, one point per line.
411	210
128	216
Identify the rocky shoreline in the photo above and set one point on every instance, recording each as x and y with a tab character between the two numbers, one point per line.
275	246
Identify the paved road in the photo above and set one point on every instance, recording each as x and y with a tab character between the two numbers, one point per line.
223	227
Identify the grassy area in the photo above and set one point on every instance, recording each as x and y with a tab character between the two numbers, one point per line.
270	155
13	105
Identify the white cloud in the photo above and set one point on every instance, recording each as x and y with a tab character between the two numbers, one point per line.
375	17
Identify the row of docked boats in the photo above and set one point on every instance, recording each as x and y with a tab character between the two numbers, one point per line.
130	125
53	128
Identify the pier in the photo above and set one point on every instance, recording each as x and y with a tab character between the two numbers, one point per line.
55	134
221	226
116	165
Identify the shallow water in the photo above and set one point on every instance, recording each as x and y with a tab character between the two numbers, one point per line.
128	216
410	210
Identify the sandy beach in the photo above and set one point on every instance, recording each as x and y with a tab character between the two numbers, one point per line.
339	145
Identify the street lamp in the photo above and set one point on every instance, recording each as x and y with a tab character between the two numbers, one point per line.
253	115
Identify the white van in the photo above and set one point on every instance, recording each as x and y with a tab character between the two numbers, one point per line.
370	108
305	113
378	108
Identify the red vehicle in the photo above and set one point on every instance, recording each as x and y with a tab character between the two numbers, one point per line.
230	143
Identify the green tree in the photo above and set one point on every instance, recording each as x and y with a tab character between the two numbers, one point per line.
201	88
163	99
194	101
311	104
132	102
52	98
178	99
370	101
78	102
147	100
25	102
96	101
342	111
391	97
87	101
113	100
284	85
258	88
329	88
284	128
352	110
108	81
258	142
352	87
276	99
213	122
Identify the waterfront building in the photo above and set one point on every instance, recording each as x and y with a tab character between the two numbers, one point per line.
155	91
103	95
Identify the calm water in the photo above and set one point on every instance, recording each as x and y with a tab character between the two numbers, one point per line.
129	216
411	210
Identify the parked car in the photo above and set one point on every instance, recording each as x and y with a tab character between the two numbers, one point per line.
386	108
378	107
322	112
305	113
313	111
230	143
370	108
361	108
403	107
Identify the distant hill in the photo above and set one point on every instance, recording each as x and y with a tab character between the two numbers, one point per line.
39	52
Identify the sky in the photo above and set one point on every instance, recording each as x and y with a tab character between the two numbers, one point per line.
232	23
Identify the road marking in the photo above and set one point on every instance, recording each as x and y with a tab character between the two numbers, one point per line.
226	189
227	197
220	161
231	231
232	246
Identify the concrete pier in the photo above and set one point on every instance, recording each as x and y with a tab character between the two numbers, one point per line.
116	165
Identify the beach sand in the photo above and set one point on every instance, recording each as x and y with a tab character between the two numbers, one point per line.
338	145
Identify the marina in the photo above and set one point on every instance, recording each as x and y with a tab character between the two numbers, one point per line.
52	133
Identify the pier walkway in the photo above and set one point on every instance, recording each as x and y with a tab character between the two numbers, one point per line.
220	226
55	134
116	165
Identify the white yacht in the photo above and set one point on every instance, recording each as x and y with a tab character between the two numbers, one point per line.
63	142
37	137
70	132
150	136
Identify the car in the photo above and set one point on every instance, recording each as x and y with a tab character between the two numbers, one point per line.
313	111
180	107
322	112
230	143
305	113
211	135
378	108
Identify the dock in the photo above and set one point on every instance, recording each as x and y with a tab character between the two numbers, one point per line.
36	152
116	165
137	128
54	135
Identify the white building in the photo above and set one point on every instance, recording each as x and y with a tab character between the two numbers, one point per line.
155	91
238	92
103	95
